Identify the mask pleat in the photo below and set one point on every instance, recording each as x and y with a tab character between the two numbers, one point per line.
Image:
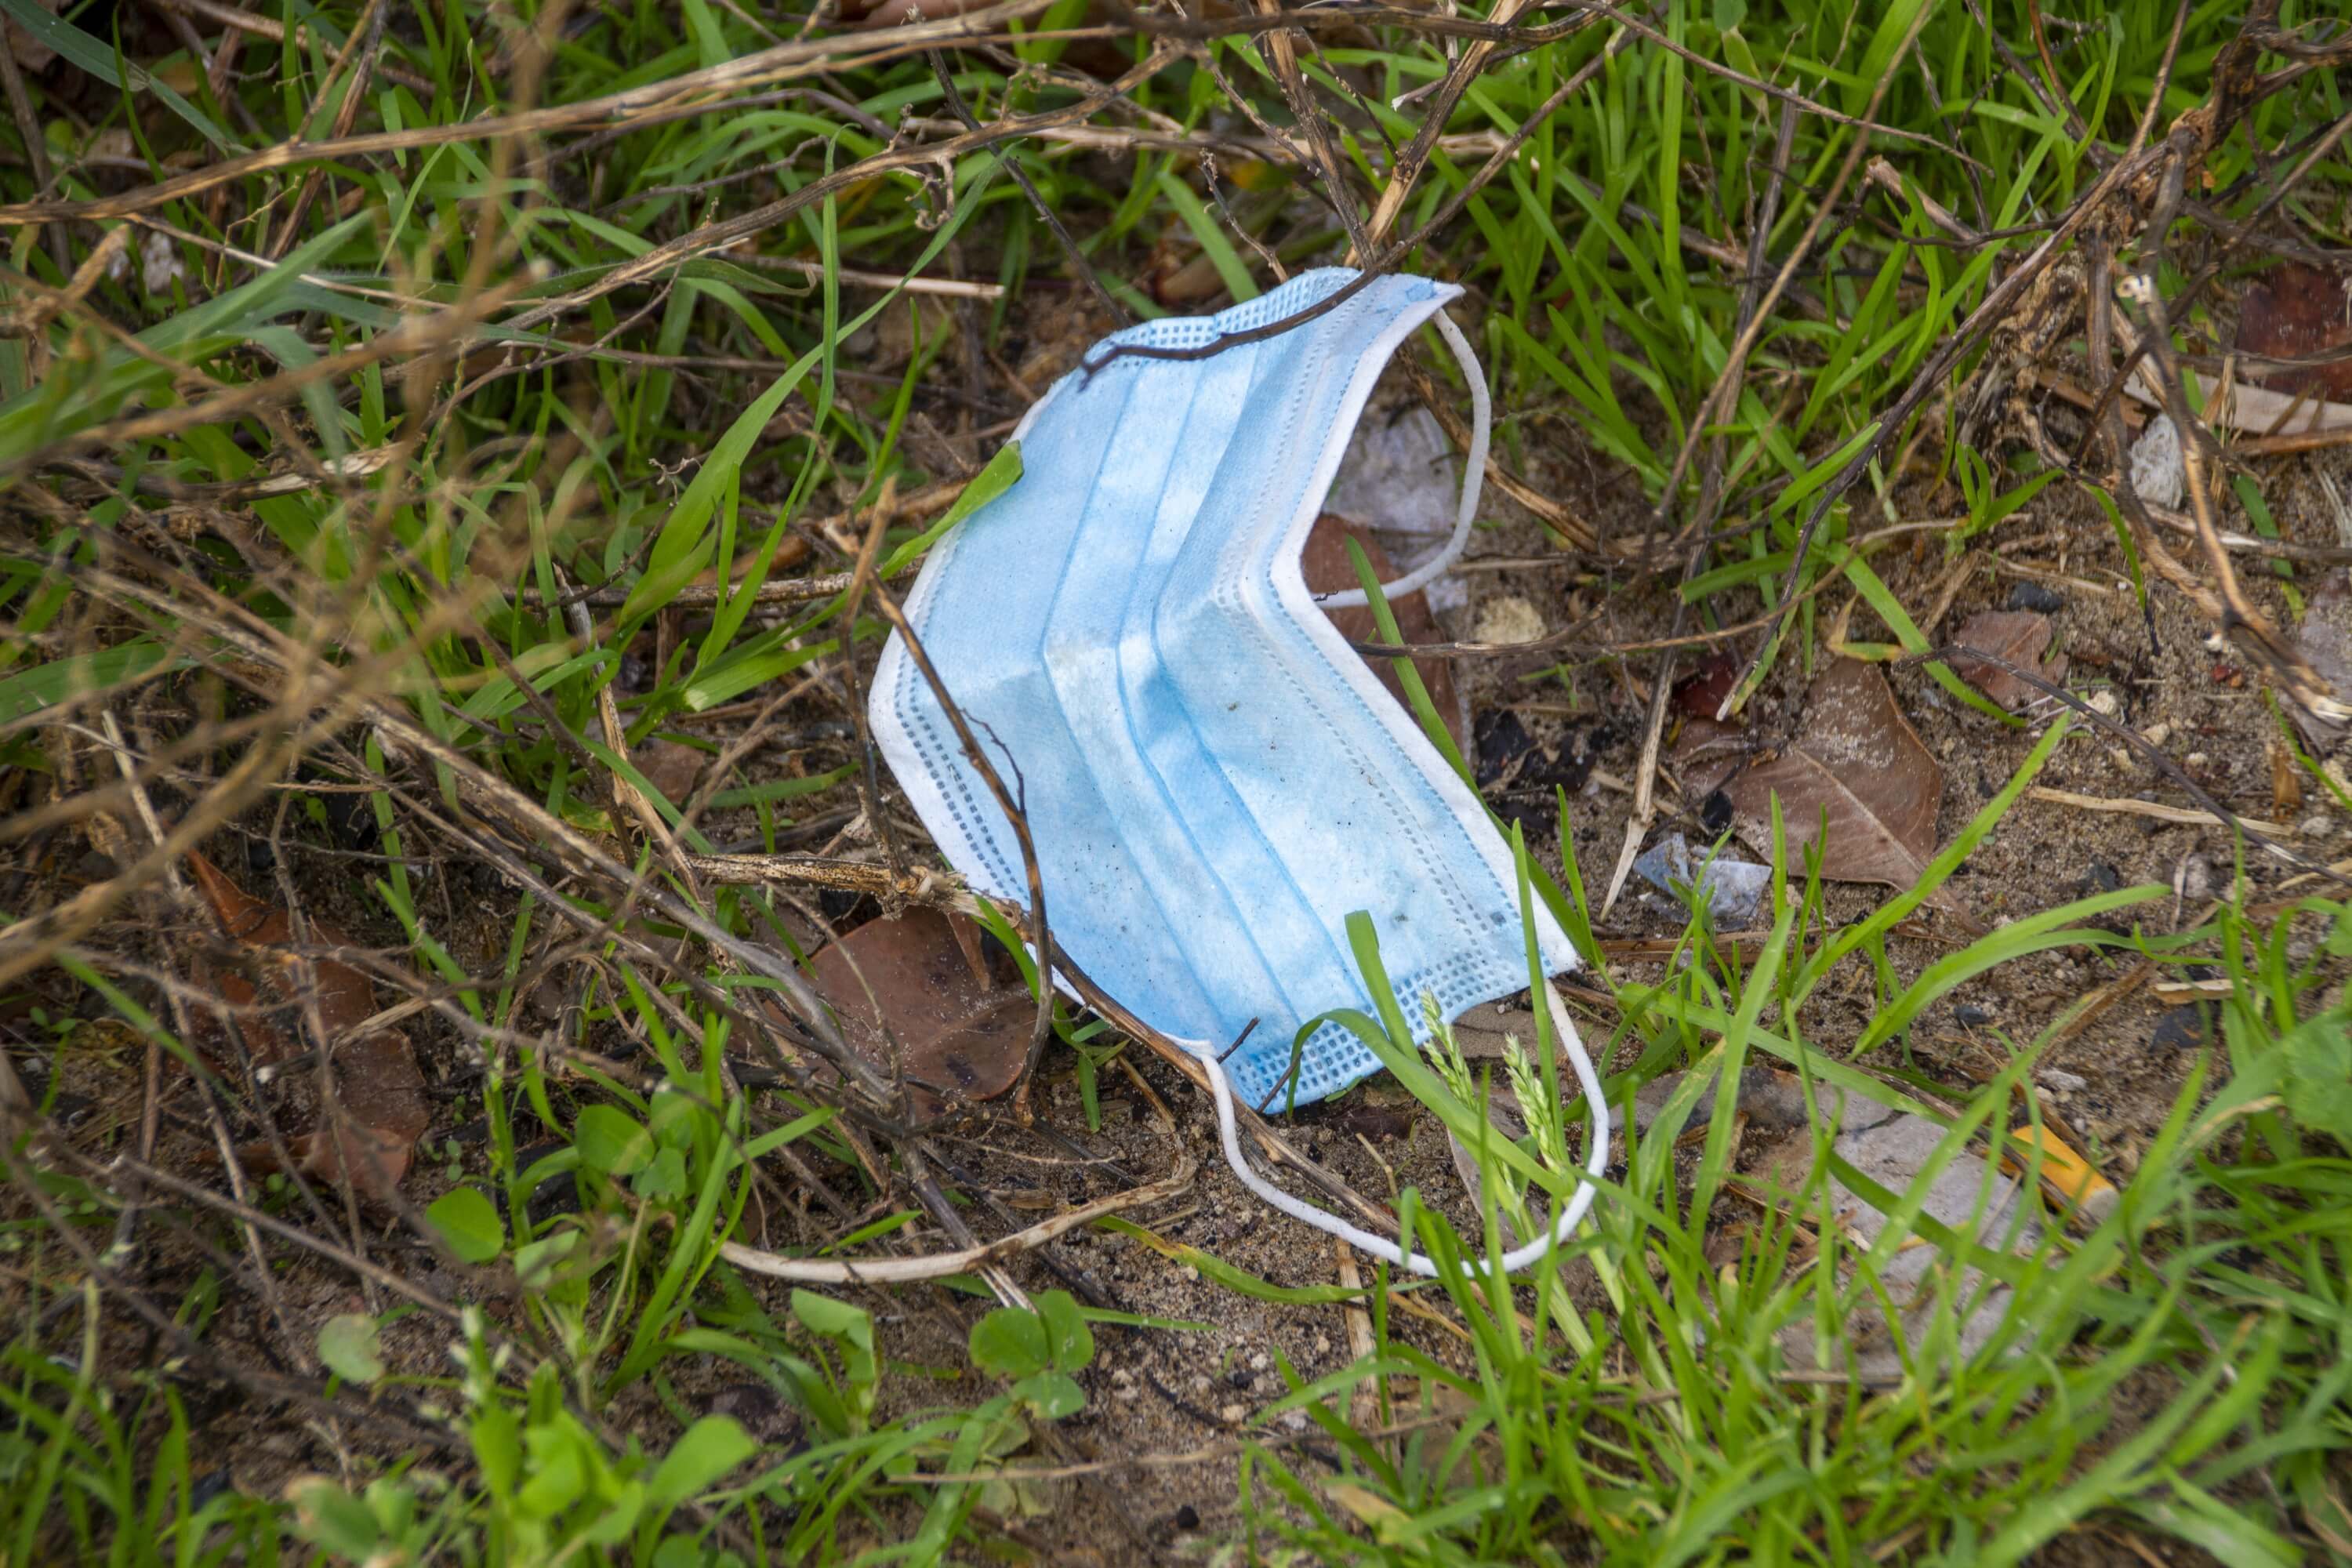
1211	790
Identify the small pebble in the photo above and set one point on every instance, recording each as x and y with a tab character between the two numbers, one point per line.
2102	877
2104	703
2195	758
2035	596
1972	1018
2194	879
1507	619
2064	1082
1259	1361
1322	1344
208	1485
1715	813
1296	1420
2156	734
1234	1414
2320	827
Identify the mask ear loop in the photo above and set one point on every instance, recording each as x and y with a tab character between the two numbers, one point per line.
1482	414
1596	1161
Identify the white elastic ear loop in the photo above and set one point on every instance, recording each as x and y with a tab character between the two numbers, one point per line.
1482	414
1596	1161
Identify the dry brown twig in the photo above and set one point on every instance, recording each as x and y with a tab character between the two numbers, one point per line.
941	1265
781	63
365	37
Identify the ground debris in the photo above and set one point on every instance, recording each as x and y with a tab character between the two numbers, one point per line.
1857	765
379	1109
1733	887
2015	637
1893	1148
2296	310
925	994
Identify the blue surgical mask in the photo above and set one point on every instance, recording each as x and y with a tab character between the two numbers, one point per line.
1213	778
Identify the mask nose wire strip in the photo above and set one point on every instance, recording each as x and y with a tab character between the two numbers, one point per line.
1482	416
1562	1229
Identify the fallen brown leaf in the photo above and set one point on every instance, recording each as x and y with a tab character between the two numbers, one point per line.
1857	764
2294	311
1705	753
671	767
2019	637
381	1096
344	994
378	1093
1702	693
958	1011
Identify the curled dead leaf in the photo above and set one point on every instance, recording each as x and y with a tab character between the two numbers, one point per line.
380	1109
1858	768
345	995
2298	311
381	1097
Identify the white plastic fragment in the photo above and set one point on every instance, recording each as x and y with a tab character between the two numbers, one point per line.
1734	887
2156	468
1963	1196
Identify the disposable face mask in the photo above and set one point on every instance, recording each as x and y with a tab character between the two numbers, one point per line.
1213	778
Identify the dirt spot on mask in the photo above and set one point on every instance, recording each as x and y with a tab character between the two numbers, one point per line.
1328	569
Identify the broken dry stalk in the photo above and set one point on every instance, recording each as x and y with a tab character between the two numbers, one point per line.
941	1265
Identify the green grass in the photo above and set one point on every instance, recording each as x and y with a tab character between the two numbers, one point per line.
546	378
